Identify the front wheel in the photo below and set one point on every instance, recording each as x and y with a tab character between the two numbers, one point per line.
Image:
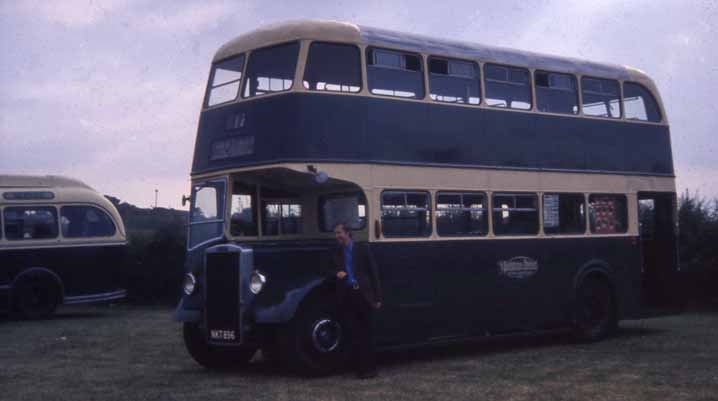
596	313
316	341
36	297
213	357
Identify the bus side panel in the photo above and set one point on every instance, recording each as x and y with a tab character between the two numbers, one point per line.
84	270
442	289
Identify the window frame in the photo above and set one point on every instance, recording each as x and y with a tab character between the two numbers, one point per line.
485	80
620	97
591	226
577	91
96	207
55	238
213	71
479	77
585	217
538	210
321	199
463	208
250	54
361	61
405	192
652	97
221	211
422	70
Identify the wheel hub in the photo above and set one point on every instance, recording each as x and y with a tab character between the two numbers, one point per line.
326	335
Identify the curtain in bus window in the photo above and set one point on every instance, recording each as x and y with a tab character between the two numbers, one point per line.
454	81
333	67
271	69
608	214
24	223
405	214
639	104
226	76
461	214
508	87
393	73
515	214
85	221
564	214
556	93
601	97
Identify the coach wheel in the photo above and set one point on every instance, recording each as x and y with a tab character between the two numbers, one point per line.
36	296
596	316
214	357
315	342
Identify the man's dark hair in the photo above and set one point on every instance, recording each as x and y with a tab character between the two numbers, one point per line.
346	227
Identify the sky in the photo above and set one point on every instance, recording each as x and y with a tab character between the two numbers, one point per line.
110	91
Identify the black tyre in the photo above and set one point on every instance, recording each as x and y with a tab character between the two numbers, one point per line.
596	312
316	342
213	357
35	296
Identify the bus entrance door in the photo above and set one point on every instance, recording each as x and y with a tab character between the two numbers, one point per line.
656	212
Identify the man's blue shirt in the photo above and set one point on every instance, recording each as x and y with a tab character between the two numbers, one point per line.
348	249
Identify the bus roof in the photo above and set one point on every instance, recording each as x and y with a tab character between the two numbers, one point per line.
40	181
348	32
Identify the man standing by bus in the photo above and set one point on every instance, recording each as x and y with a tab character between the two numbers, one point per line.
359	294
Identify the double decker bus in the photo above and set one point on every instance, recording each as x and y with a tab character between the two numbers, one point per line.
498	191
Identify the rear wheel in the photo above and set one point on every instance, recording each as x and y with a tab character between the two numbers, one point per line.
315	342
213	357
36	296
596	314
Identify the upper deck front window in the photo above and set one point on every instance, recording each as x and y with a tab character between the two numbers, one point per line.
333	67
225	79
271	70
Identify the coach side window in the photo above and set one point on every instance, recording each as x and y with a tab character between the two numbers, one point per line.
508	87
556	93
224	82
32	222
564	214
460	214
271	69
393	73
454	81
608	214
405	214
333	67
601	97
85	221
639	104
515	214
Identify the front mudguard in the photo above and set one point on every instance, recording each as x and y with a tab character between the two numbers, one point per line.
188	311
284	310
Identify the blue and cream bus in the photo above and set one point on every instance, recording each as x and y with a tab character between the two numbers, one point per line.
61	242
498	191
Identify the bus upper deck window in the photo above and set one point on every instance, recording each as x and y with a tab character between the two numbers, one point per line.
601	97
556	93
454	81
639	104
393	73
333	67
271	69
225	79
507	87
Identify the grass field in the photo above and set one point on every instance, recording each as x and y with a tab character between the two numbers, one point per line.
128	353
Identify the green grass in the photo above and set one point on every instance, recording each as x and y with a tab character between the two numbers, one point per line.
126	353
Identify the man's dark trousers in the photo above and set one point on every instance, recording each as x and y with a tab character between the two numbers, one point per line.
358	314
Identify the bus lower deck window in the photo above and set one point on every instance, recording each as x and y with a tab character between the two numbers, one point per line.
243	219
461	214
608	214
405	214
564	214
515	214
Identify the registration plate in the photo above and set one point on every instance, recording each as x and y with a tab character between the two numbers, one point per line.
222	335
